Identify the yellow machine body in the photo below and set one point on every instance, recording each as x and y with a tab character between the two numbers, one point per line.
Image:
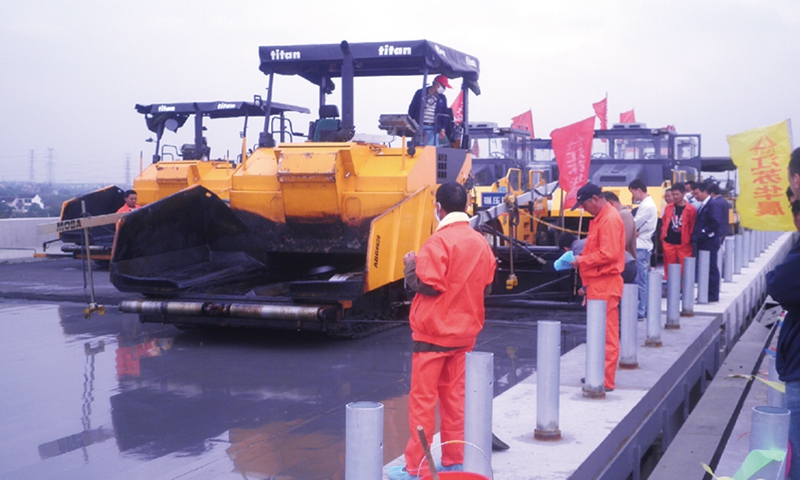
162	179
351	186
621	191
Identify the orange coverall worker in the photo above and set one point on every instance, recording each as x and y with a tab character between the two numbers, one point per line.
675	253
125	208
600	266
455	267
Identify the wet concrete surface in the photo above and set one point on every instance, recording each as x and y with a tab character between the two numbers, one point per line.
109	397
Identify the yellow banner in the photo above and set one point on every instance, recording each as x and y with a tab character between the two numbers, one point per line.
762	156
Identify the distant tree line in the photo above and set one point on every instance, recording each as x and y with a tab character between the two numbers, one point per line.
52	196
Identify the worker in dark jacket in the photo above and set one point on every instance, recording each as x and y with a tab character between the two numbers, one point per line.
783	285
707	235
433	112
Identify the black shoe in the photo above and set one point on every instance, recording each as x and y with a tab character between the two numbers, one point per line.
609	389
498	445
583	380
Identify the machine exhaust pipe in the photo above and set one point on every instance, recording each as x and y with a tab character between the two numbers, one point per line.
347	127
227	310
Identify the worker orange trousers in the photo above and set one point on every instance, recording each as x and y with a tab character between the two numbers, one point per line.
436	376
675	254
610	291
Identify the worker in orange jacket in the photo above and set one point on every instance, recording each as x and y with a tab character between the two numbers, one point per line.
451	274
601	265
130	202
677	226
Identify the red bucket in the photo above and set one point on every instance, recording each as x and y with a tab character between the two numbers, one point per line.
457	476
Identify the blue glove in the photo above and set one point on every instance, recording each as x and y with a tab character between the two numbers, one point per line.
563	263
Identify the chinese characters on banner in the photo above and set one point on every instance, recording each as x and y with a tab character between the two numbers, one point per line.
572	146
762	156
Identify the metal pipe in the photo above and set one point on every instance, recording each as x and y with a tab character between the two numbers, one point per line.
198	132
689	275
595	349
548	380
479	388
756	243
746	248
88	255
234	310
628	327
727	266
265	138
703	265
769	430
738	248
348	73
363	441
774	397
673	297
654	309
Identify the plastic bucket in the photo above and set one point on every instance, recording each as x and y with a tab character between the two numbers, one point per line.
457	476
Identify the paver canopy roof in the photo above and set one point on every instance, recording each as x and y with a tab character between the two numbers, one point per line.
318	62
160	112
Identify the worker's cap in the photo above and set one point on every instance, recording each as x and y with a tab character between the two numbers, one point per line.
586	192
443	80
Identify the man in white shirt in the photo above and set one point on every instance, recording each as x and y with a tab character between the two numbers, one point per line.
646	219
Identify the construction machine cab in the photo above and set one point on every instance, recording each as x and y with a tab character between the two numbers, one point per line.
322	130
319	64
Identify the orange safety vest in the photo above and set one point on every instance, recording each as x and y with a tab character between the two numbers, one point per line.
457	262
603	256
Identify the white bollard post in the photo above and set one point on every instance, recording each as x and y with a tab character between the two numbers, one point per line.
628	326
753	243
738	250
479	386
548	380
689	276
746	248
727	267
363	441
703	265
674	296
595	349
654	310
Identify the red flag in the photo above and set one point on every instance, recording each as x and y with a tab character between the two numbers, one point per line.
458	107
627	117
476	149
601	111
523	121
573	148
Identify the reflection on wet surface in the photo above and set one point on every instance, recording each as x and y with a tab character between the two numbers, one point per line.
110	397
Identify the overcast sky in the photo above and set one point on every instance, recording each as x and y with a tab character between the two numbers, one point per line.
71	72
